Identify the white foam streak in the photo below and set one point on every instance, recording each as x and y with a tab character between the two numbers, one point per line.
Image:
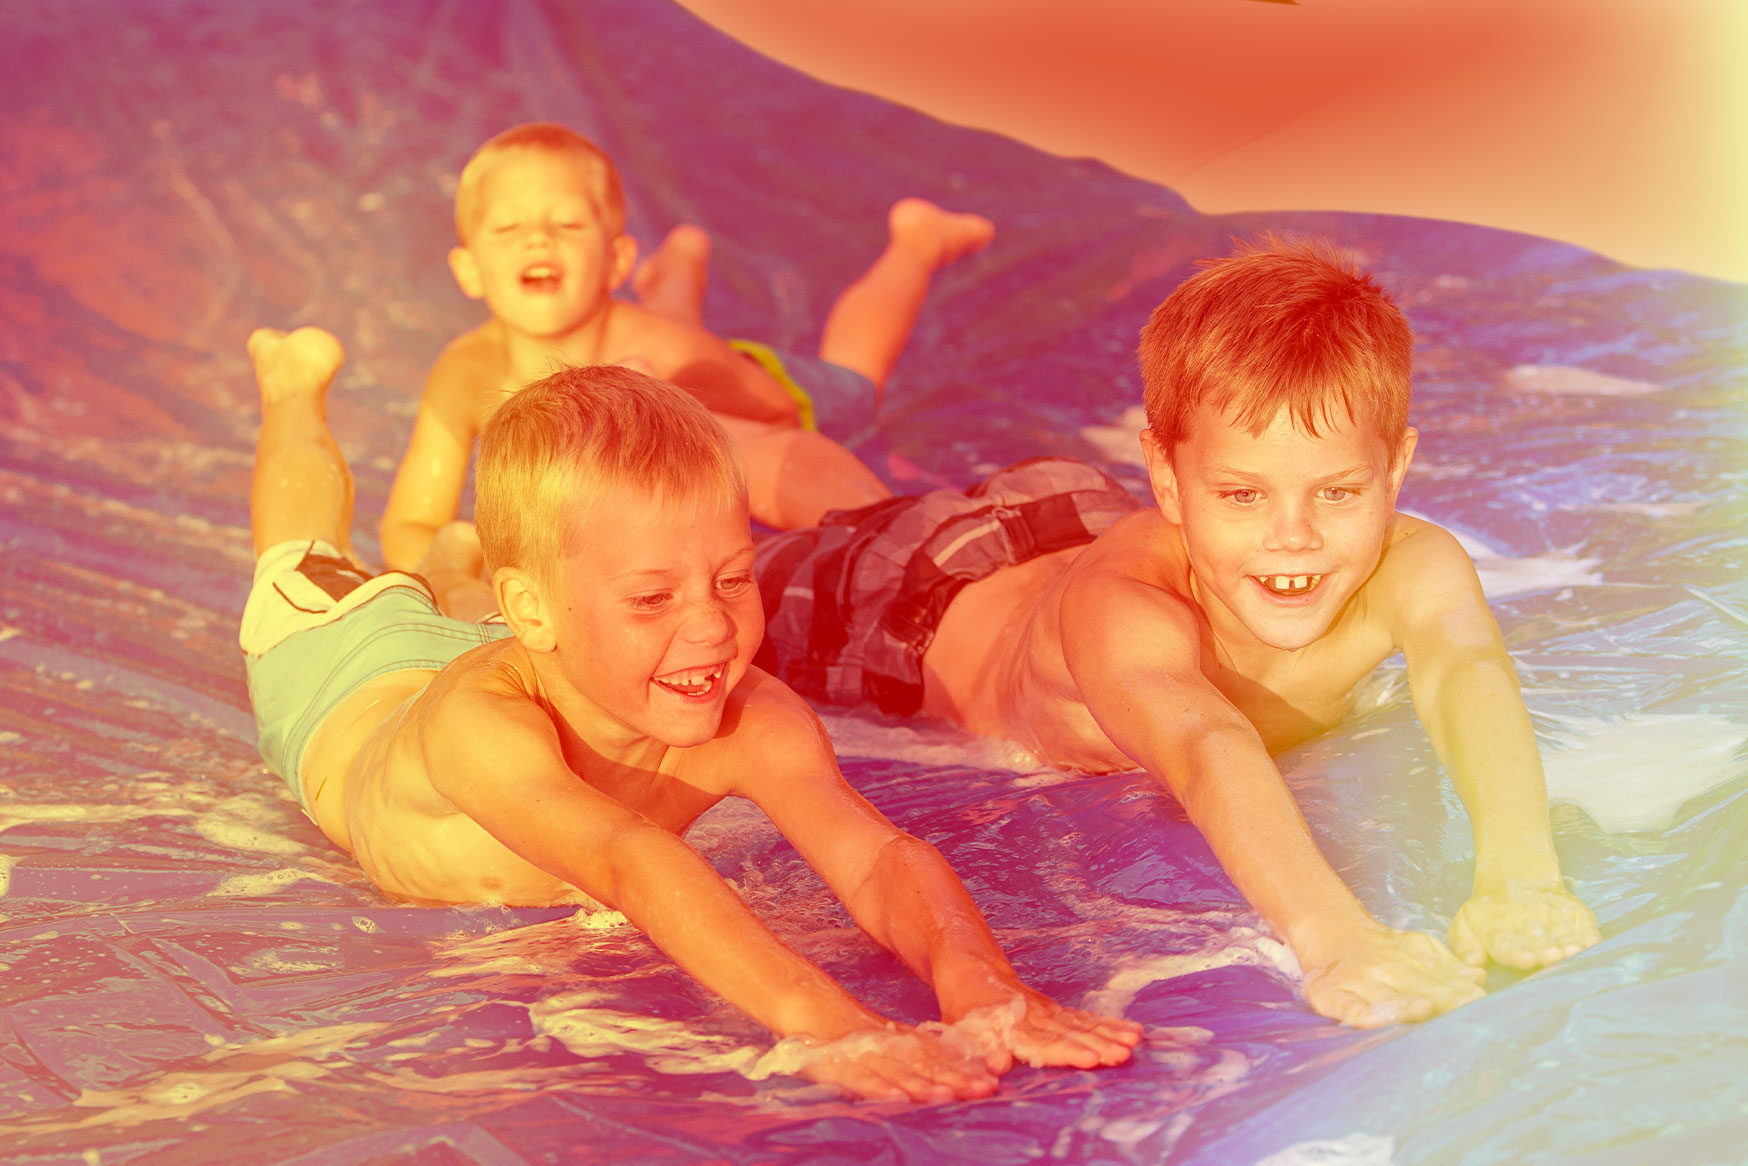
1502	575
1353	1150
1240	946
1634	775
854	736
1565	380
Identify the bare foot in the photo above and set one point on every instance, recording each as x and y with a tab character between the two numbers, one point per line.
936	235
671	282
295	364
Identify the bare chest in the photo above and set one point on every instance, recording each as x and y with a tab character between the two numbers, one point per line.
1291	700
666	799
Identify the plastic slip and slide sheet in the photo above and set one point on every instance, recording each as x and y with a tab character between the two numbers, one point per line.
189	973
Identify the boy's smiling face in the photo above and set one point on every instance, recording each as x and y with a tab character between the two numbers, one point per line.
544	254
1281	528
656	618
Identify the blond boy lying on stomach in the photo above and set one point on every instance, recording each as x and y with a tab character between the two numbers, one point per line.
557	756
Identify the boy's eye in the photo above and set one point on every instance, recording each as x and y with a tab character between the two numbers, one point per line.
735	584
1337	493
1243	497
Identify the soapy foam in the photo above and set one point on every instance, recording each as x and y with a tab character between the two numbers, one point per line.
249	822
1240	946
85	814
926	744
577	1021
1635	774
1502	575
1353	1150
254	885
1119	443
273	1064
1564	380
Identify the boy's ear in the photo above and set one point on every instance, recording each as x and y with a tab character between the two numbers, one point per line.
524	610
1162	477
624	260
465	268
1404	455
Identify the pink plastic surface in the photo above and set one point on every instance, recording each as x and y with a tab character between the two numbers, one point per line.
189	973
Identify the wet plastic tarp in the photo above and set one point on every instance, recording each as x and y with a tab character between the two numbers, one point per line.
189	973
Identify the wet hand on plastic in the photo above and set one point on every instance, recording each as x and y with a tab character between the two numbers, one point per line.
903	1065
1383	976
1522	926
1048	1034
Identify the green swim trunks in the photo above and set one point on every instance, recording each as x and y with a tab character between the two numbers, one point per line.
832	399
316	628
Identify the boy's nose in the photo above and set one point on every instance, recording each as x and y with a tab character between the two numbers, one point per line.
710	623
1293	528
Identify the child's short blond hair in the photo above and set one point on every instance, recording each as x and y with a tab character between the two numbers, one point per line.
561	444
1278	325
552	139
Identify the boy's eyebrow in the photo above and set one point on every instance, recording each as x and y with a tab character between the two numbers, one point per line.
666	572
1358	470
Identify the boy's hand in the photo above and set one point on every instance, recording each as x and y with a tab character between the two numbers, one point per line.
892	1064
1035	1030
1522	925
1383	976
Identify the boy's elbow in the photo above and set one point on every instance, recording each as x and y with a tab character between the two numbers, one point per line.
1458	669
896	865
631	864
1203	752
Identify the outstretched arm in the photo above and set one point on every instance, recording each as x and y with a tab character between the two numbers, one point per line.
504	768
428	483
901	891
1466	694
1134	654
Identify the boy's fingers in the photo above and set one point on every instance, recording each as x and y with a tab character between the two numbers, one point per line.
1465	943
1056	1045
912	1084
1350	1008
998	1060
1111	1045
1110	1027
859	1081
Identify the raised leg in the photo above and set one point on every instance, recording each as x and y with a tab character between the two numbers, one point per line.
302	487
672	281
872	320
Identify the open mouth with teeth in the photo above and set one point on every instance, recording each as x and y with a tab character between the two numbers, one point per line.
541	277
695	683
1288	586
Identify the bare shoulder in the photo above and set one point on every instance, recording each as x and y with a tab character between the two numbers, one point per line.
479	351
1424	576
1126	609
768	733
470	369
480	715
1132	577
1420	554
